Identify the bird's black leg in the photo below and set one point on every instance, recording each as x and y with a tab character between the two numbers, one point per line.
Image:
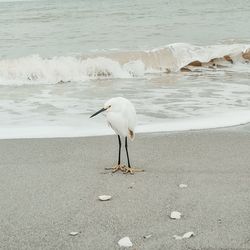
118	166
120	145
128	169
126	146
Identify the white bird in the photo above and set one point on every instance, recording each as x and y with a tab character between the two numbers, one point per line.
121	117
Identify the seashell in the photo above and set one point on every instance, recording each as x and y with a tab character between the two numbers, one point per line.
184	236
73	233
125	242
188	235
147	236
175	215
104	197
177	237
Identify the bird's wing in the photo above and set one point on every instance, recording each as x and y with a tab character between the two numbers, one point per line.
118	123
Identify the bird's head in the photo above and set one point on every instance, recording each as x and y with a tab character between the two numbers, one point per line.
107	106
113	104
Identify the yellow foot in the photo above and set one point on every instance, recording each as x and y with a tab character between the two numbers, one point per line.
116	168
130	170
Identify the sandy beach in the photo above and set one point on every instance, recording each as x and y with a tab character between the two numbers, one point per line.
50	187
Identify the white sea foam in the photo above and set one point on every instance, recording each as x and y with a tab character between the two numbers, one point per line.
37	70
228	119
93	128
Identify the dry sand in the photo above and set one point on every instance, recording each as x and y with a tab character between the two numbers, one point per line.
50	187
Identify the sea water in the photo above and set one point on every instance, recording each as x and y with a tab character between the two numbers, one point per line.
60	60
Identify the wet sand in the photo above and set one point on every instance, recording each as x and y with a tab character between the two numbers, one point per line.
50	187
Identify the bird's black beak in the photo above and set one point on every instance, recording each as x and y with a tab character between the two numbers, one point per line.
98	112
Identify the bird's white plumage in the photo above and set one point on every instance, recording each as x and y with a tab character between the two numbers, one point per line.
121	116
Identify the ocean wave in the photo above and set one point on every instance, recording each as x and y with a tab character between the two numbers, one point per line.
35	69
119	64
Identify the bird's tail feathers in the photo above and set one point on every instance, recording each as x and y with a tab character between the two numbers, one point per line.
131	135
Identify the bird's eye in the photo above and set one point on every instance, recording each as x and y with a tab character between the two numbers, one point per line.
109	106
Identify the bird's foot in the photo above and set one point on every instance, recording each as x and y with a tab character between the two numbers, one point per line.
116	168
130	170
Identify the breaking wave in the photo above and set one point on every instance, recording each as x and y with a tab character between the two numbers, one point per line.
119	64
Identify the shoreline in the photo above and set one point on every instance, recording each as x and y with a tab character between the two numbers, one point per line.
109	132
50	187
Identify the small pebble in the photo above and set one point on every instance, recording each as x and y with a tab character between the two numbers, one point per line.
183	185
147	236
175	215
